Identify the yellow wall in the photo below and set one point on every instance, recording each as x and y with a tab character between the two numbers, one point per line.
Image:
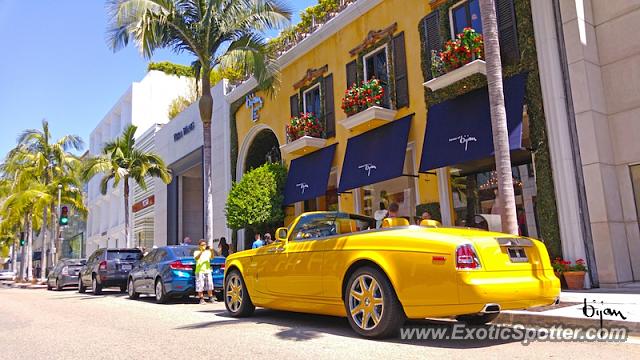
334	52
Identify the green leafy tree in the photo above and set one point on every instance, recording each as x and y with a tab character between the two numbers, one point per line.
224	33
121	161
255	202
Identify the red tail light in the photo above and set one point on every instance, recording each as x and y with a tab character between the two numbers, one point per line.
466	257
103	265
178	265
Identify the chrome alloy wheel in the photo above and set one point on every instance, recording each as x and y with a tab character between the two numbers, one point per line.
234	293
159	290
130	288
366	302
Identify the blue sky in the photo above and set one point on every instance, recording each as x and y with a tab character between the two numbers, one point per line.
55	65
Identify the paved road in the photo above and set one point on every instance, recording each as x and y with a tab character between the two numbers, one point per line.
68	325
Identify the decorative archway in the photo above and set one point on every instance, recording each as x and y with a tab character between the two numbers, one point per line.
259	146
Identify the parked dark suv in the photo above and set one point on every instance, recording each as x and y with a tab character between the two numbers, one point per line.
107	268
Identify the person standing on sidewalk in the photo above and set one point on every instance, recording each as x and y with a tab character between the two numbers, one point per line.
204	281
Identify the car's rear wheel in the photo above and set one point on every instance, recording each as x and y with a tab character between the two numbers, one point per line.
236	297
478	319
81	287
96	287
58	286
131	290
372	306
161	297
49	288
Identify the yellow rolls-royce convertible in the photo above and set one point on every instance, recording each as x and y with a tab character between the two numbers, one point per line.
339	264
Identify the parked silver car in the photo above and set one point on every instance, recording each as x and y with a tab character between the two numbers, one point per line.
65	273
7	275
107	268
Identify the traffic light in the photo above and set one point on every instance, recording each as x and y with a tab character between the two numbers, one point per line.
64	216
21	239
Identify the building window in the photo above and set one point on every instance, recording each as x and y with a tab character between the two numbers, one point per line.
311	100
376	65
465	14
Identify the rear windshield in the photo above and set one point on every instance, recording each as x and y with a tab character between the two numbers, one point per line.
124	255
184	251
74	266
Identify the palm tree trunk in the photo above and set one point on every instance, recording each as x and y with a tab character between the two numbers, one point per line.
29	257
498	116
206	108
126	211
43	257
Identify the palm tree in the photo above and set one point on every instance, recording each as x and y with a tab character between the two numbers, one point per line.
498	116
218	33
121	161
52	162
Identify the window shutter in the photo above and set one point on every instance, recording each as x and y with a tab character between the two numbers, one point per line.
295	105
432	39
329	107
400	71
352	73
508	32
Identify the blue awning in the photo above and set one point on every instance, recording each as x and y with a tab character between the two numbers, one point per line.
376	155
459	130
309	175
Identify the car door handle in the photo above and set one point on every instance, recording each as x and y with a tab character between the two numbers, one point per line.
272	250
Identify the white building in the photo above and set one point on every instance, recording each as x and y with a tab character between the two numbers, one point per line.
144	105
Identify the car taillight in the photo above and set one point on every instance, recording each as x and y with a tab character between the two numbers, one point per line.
466	257
103	265
65	271
178	265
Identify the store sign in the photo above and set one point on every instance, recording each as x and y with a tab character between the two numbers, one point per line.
464	139
143	204
254	103
303	186
185	130
368	167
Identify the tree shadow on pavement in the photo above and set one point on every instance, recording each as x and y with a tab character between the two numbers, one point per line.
304	327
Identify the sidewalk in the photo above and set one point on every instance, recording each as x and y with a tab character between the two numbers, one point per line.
571	311
23	285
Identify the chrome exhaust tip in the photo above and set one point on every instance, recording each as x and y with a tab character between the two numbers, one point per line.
490	309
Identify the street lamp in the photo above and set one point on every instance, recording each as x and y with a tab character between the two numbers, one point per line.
58	218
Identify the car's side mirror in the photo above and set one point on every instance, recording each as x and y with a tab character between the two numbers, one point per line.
281	234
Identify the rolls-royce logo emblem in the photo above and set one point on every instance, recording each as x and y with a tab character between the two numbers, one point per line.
302	186
464	139
368	167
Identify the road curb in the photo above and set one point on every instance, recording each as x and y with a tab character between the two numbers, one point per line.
539	319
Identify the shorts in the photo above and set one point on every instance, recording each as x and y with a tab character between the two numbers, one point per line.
204	282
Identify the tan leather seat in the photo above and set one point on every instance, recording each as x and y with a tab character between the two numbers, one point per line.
394	222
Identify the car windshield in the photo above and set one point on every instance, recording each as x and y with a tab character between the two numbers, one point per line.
318	225
184	251
124	255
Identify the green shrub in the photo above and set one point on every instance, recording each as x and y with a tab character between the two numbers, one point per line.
255	202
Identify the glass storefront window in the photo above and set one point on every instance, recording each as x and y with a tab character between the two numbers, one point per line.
476	200
328	202
635	181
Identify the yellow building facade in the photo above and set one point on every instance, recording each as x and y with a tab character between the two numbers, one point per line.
357	39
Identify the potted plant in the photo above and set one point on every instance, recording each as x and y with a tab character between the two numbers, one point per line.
306	124
559	267
465	48
574	275
358	98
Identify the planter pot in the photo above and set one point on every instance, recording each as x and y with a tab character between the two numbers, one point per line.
574	279
368	119
474	67
563	283
303	145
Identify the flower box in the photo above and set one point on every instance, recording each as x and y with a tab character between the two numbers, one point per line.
474	67
303	145
368	119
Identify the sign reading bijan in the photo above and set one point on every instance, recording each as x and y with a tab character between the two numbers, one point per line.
143	204
185	130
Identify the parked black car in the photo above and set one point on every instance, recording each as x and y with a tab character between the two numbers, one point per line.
108	268
65	273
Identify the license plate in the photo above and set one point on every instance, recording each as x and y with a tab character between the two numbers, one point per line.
517	255
126	267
